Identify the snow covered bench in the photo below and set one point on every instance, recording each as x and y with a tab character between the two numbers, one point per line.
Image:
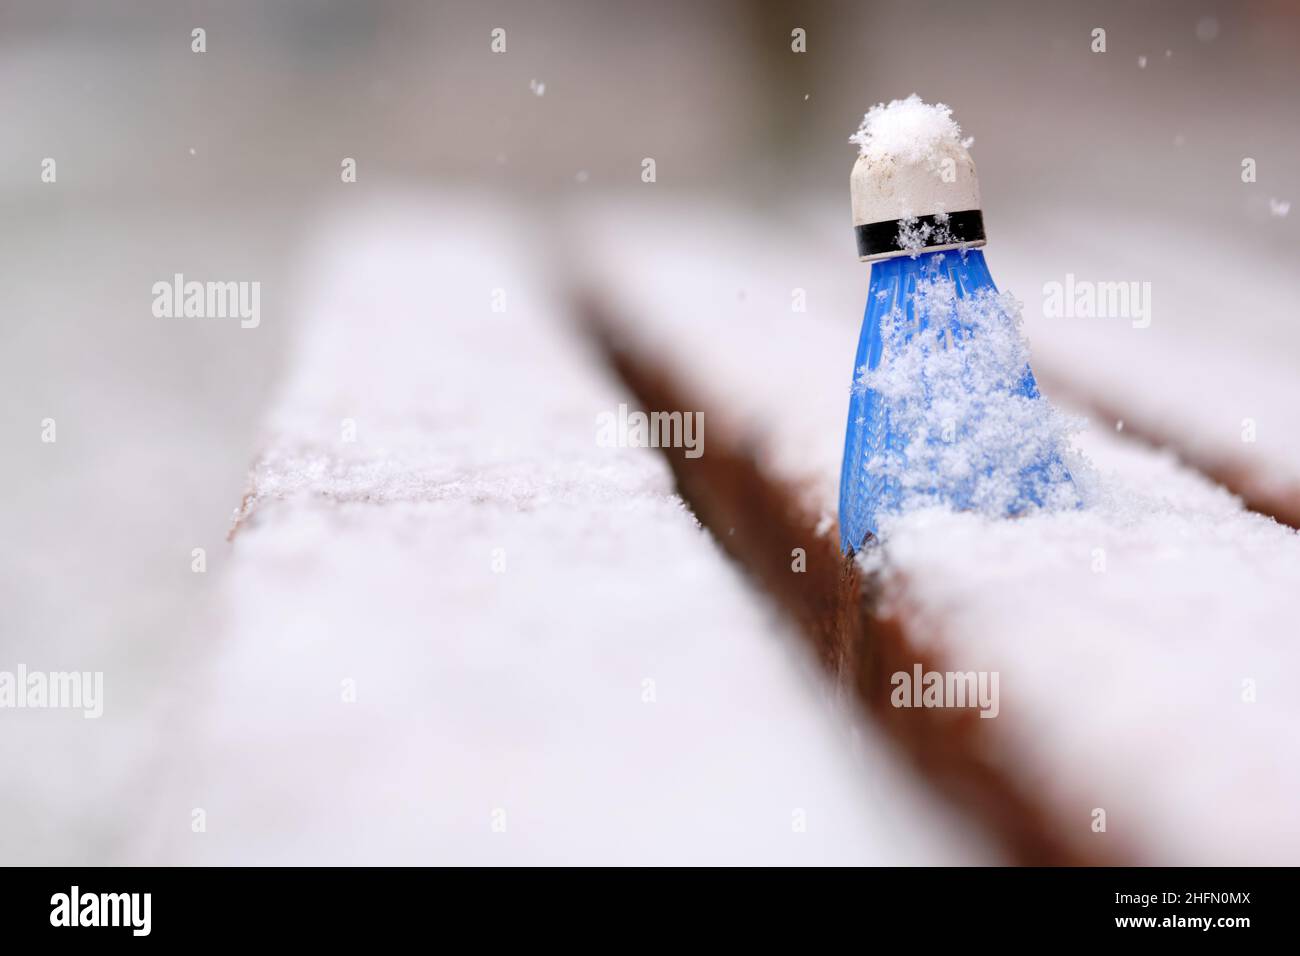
1144	645
458	630
1207	369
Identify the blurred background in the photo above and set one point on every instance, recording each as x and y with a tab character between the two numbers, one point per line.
223	164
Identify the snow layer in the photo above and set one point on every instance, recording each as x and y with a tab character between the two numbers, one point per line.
747	323
969	428
1149	640
912	162
907	132
1211	370
548	660
1145	644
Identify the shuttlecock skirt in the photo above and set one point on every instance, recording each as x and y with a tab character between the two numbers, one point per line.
976	447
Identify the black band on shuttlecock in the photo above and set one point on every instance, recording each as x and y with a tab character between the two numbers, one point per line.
881	238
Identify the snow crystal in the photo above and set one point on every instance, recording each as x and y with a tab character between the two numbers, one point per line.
909	131
915	235
972	434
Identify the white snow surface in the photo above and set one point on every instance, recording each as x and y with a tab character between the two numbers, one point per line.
1214	371
1145	644
907	131
504	596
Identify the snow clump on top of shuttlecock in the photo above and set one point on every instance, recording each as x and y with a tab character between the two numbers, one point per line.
908	131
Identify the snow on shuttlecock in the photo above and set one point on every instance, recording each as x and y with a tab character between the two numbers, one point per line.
969	435
945	411
913	168
915	235
908	131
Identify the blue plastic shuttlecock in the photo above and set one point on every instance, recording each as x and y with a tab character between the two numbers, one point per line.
944	408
